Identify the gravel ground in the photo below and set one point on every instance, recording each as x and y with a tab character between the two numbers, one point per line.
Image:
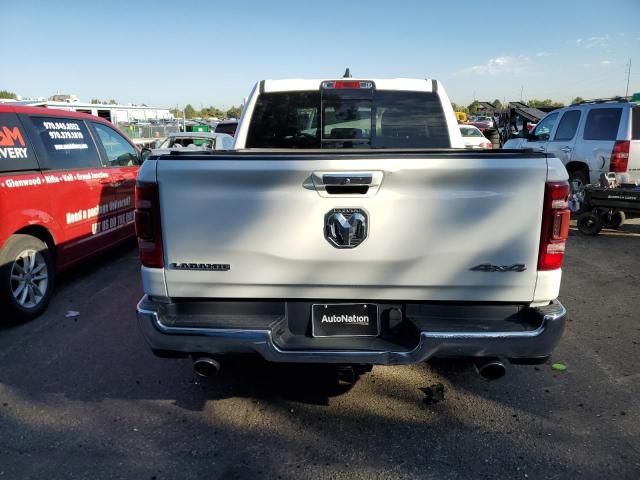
84	397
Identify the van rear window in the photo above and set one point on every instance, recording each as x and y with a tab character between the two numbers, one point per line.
348	118
635	123
16	154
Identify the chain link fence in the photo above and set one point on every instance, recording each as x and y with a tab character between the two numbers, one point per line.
134	131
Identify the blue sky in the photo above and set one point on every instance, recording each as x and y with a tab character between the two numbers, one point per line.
212	52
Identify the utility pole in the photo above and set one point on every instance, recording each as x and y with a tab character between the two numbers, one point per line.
521	91
626	93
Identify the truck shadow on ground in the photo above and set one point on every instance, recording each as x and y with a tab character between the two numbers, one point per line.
256	378
253	377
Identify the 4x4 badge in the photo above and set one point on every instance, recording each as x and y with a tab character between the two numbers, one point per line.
485	267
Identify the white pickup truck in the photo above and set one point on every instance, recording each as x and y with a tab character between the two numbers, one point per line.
350	226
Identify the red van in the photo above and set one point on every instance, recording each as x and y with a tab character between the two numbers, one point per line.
67	185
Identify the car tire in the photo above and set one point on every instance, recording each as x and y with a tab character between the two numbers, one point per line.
589	223
26	278
580	176
615	220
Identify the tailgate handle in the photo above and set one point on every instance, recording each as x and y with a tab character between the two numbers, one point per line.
335	179
346	184
329	183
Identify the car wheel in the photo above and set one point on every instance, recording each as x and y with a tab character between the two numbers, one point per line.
26	277
580	178
589	223
613	219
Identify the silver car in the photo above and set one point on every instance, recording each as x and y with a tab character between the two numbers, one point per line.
589	138
193	140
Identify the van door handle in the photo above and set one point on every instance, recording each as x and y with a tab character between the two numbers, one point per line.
118	181
566	149
541	148
105	181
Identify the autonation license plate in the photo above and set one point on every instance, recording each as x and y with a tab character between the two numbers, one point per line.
345	320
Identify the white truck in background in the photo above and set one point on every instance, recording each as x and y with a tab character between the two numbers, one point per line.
350	226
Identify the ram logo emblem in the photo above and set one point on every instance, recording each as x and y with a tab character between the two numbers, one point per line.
346	227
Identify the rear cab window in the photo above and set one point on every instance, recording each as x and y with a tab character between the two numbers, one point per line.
16	152
348	118
63	143
602	124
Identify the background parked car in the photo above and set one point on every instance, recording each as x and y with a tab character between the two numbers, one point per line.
482	122
590	138
67	184
227	126
473	137
196	140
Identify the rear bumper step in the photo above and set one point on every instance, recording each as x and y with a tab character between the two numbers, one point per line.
428	330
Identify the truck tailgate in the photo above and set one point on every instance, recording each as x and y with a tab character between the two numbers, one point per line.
432	219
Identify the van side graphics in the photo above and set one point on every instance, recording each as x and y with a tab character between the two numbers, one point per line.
12	144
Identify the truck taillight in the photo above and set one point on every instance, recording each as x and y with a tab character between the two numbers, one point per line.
620	156
148	227
555	225
486	145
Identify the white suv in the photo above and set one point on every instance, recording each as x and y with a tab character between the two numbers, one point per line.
590	138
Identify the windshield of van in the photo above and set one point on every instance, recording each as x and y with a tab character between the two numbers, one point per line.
348	118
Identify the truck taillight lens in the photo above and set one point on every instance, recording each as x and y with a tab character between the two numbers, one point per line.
620	156
148	228
555	225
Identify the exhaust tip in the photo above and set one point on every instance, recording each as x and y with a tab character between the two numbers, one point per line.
490	369
206	367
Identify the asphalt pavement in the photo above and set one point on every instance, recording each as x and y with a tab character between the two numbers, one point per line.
83	397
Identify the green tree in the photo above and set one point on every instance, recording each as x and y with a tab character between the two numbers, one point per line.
96	101
473	108
189	111
7	94
536	103
459	108
577	100
112	102
212	112
497	103
234	112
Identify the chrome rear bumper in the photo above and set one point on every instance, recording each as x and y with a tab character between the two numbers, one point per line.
530	344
